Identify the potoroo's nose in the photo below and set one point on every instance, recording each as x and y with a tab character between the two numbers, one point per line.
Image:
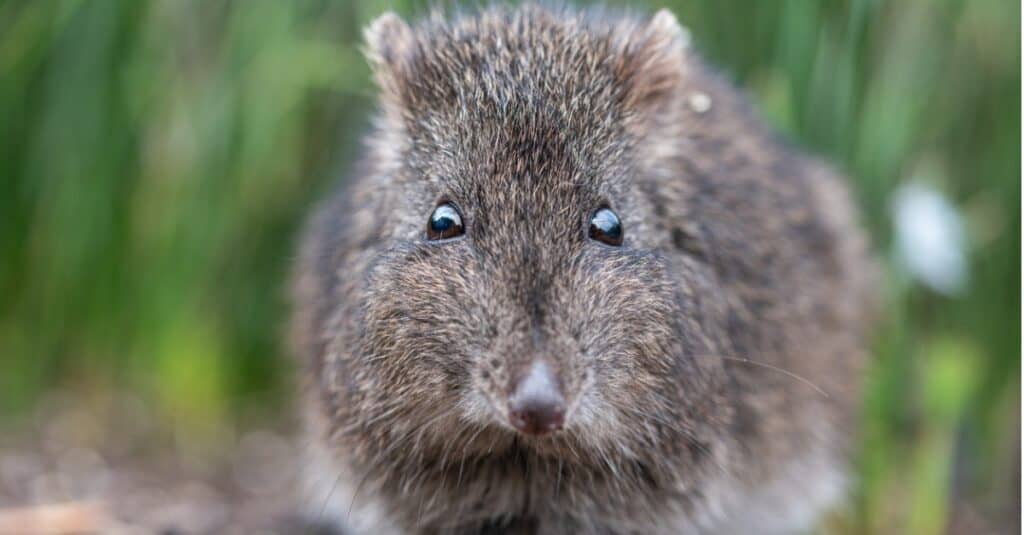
537	406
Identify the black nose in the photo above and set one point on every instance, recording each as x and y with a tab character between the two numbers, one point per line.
537	406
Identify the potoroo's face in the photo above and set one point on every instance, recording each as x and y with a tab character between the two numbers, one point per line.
525	296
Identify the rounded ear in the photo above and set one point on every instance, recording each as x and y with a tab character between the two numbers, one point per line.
389	42
654	61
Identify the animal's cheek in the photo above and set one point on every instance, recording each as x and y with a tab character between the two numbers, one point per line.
614	408
416	324
629	319
483	401
631	330
594	417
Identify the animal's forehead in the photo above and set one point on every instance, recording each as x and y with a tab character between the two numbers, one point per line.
527	62
529	153
524	102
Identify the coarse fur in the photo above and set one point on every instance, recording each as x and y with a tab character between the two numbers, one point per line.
710	364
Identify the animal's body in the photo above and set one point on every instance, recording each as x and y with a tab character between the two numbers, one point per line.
576	287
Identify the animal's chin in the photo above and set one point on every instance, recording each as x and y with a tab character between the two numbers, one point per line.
555	446
500	441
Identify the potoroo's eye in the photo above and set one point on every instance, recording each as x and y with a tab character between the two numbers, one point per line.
445	222
605	227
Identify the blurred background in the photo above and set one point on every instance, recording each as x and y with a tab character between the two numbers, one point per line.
157	158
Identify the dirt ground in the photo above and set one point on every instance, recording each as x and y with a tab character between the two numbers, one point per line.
72	470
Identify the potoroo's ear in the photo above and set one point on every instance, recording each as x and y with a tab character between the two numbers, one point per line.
653	62
389	44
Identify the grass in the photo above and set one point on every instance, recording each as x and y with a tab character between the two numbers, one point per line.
156	158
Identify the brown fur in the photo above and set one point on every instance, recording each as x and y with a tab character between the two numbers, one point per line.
710	362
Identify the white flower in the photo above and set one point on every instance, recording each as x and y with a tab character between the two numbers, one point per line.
930	238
